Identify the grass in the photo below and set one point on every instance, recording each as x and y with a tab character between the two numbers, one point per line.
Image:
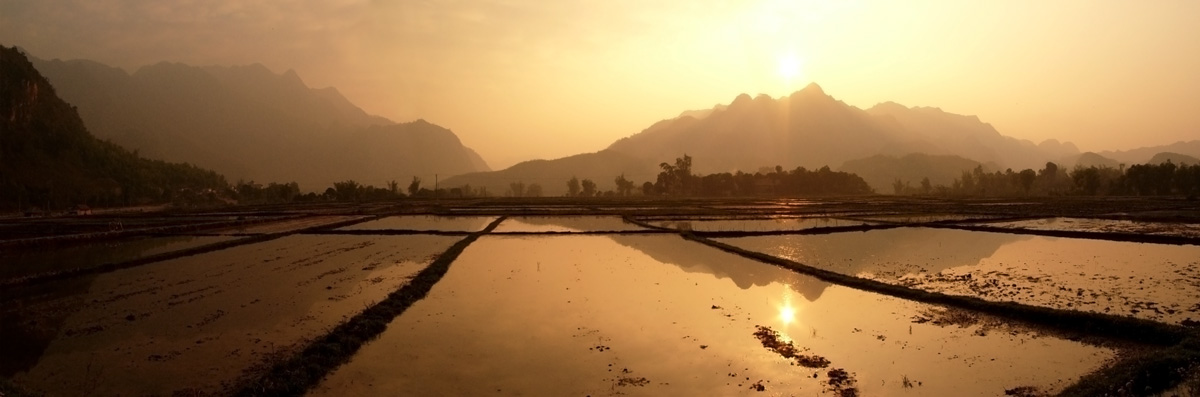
295	375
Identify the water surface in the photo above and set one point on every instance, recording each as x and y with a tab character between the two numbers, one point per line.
565	224
597	315
33	261
426	223
1151	281
186	325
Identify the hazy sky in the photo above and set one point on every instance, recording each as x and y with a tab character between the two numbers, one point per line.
522	79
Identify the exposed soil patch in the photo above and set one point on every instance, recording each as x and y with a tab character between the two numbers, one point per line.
841	383
771	340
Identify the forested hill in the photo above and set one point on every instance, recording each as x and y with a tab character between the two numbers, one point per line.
48	157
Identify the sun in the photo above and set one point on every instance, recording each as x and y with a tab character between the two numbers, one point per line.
789	68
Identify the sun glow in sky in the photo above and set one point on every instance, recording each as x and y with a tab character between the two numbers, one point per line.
523	79
789	69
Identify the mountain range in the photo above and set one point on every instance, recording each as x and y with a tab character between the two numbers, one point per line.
48	159
249	123
805	129
811	129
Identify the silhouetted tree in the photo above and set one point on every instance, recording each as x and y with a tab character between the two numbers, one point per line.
533	190
676	179
589	188
347	190
517	189
898	186
624	186
1026	178
394	187
573	187
414	187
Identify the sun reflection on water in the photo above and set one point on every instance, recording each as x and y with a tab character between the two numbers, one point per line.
787	315
787	312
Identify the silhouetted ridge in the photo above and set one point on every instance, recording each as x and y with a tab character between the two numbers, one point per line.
48	158
809	129
250	123
1146	154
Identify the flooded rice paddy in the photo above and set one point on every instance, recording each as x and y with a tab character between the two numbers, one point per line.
35	262
755	225
597	315
1102	226
565	224
586	305
426	223
186	325
1151	281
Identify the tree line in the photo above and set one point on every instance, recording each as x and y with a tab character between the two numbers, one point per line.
352	191
677	179
1137	180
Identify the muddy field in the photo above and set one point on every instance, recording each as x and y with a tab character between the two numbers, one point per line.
860	296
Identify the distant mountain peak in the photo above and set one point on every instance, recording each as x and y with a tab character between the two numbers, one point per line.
292	77
741	99
813	88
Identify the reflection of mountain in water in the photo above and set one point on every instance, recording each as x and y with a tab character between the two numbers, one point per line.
883	252
892	252
692	257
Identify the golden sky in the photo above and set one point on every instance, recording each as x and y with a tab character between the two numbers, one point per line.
523	79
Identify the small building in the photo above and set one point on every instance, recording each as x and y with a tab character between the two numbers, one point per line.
81	209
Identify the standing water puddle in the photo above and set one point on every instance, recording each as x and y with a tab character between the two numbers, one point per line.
1151	281
603	315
